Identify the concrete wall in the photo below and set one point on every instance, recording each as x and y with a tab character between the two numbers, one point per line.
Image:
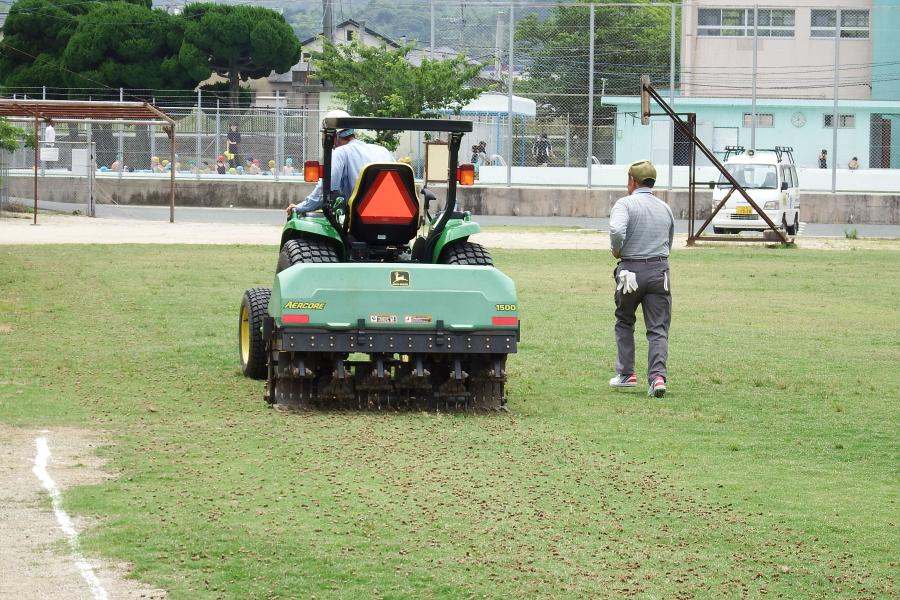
494	200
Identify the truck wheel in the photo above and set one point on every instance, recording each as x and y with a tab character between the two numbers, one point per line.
305	250
251	345
466	253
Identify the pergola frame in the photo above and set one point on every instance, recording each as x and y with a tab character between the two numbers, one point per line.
75	111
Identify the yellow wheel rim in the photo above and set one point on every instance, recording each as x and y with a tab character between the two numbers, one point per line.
245	334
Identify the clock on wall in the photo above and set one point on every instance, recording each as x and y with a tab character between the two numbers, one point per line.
798	119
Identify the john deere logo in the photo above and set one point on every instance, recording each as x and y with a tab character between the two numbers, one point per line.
400	278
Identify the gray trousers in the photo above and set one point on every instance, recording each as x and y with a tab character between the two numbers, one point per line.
655	298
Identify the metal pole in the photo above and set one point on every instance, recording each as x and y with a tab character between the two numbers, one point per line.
509	113
672	94
218	127
432	31
568	138
172	174
92	207
753	78
44	93
199	124
590	131
37	144
278	132
835	119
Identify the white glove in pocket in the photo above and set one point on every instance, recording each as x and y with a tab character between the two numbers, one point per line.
627	281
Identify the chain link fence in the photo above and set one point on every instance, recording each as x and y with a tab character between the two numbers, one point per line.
562	83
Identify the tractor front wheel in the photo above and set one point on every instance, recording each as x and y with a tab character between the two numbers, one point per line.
466	253
251	345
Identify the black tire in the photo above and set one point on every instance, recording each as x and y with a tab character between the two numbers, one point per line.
793	229
306	250
466	253
251	345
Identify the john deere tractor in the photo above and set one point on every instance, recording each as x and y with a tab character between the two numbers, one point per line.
376	302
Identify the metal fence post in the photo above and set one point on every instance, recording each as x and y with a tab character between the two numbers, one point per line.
92	150
279	132
672	96
835	119
199	124
568	138
590	131
218	127
509	114
753	78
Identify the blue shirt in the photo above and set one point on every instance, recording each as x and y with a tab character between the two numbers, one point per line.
641	225
347	162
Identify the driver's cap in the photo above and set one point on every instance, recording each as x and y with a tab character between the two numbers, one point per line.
338	113
642	170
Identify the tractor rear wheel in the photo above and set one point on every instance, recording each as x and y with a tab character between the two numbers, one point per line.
251	345
305	250
466	253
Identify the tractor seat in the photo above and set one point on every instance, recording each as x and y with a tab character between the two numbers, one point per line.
383	209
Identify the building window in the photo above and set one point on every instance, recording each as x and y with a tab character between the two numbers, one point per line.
738	22
762	120
349	36
854	23
844	121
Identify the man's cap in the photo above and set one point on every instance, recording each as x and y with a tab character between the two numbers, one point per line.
642	170
343	133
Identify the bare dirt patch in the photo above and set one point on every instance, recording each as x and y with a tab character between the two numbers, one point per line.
67	229
36	559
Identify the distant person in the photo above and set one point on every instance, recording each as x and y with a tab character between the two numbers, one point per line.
49	133
253	167
823	159
118	164
641	228
155	166
221	169
272	168
853	164
288	168
233	145
542	151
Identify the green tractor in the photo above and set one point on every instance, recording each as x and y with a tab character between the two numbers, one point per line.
376	302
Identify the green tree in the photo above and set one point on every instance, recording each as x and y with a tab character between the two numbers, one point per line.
236	42
378	81
10	136
35	36
628	41
127	45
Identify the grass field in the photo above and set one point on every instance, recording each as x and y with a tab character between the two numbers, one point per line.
771	467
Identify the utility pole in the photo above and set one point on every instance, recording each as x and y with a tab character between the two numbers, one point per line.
328	20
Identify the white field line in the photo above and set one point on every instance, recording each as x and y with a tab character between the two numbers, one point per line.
65	523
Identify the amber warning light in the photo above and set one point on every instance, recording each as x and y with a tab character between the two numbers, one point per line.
465	174
312	171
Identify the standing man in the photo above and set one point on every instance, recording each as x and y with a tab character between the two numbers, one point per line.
641	228
542	150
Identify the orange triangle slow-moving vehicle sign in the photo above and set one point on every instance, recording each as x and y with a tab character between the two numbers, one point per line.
387	201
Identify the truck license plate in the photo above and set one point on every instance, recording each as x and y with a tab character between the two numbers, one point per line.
743	210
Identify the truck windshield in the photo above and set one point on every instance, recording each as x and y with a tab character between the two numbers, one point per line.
751	176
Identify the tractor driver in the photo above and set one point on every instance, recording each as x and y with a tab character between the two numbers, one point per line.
348	159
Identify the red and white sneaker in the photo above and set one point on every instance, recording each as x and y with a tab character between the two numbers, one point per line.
658	387
624	380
